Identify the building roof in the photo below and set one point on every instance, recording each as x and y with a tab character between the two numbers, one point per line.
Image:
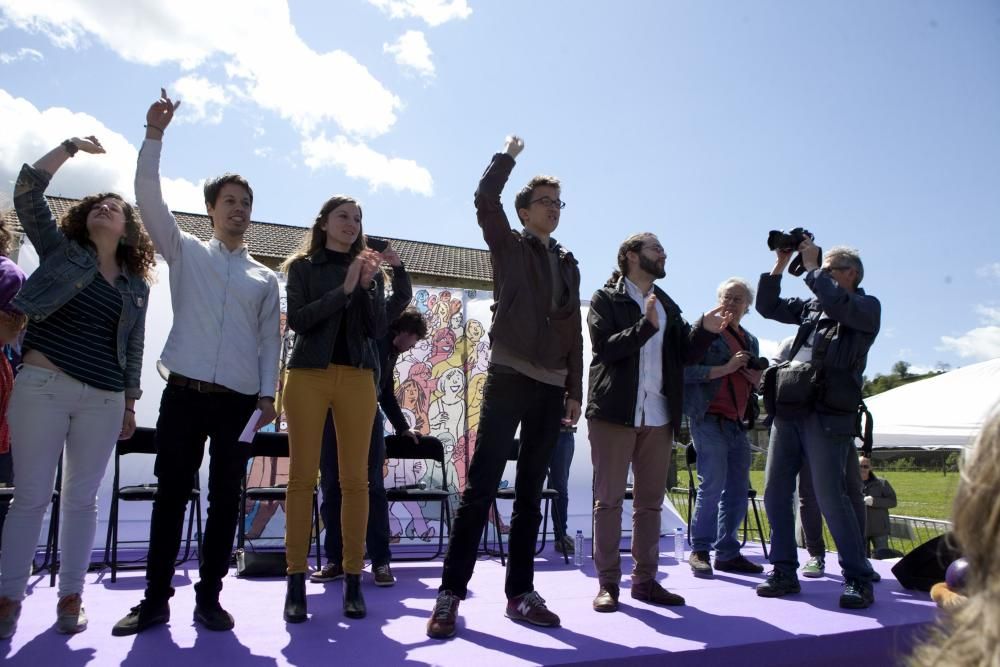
275	241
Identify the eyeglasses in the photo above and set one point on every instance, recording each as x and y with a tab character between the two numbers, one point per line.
549	202
830	269
866	467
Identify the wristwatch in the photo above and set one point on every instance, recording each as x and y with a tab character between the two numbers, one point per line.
70	147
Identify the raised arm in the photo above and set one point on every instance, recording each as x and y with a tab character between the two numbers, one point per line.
489	211
156	216
855	310
610	344
402	288
29	193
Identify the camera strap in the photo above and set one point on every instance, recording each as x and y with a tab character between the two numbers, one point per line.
742	419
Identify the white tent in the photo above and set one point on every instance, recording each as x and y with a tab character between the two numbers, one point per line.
942	412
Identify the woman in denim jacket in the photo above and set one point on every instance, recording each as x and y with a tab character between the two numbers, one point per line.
86	308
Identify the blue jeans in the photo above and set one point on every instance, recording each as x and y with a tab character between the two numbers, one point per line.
723	482
804	440
377	533
562	457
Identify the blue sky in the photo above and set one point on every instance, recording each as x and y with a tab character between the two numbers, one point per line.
875	125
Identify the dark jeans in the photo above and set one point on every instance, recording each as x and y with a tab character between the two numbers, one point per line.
509	399
562	458
803	442
187	418
809	514
377	534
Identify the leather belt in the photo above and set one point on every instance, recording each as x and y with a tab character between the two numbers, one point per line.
198	385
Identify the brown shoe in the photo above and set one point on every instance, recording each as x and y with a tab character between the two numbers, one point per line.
382	574
330	572
652	592
530	608
441	624
607	598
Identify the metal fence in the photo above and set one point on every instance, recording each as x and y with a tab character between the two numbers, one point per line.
906	532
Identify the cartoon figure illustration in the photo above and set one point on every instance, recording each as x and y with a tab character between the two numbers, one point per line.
442	345
447	410
420	301
411	397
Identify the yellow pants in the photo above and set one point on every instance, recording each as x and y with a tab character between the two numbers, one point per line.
309	393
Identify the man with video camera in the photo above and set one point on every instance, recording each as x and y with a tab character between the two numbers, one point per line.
814	398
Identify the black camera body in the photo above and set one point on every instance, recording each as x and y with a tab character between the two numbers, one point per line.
778	239
758	363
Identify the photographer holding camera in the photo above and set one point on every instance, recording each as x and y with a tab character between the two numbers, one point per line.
815	421
718	399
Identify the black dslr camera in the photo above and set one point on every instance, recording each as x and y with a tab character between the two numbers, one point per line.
778	239
758	363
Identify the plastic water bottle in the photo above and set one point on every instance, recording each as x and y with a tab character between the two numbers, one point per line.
679	545
578	549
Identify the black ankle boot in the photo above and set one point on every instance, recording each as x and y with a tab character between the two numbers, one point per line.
354	601
295	598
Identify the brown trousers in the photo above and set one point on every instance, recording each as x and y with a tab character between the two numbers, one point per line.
612	448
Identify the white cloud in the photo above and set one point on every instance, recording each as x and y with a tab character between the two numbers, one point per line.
989	271
988	314
22	54
411	51
203	100
263	151
432	12
768	348
29	133
981	344
257	47
360	161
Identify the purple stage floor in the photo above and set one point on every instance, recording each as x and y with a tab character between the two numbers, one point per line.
724	623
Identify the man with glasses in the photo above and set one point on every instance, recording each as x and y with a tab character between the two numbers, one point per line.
842	321
535	380
717	391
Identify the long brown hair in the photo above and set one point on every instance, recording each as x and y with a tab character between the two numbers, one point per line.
315	237
135	250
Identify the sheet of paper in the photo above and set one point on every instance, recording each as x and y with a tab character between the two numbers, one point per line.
251	428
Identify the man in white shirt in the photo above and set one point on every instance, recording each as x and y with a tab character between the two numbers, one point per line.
641	344
222	355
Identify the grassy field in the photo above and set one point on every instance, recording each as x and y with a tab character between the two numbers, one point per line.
920	494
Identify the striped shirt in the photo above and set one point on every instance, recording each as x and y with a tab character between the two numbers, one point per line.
80	338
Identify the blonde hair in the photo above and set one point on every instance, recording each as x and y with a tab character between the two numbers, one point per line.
969	635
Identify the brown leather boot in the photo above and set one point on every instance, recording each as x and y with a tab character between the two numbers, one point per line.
607	598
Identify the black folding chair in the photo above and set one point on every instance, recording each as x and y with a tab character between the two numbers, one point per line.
691	459
271	444
507	493
428	448
143	441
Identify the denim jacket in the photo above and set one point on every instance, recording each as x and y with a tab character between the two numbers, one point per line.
66	267
699	390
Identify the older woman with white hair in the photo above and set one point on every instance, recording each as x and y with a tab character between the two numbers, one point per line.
718	391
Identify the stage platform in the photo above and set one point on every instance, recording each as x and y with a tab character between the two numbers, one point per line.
724	623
